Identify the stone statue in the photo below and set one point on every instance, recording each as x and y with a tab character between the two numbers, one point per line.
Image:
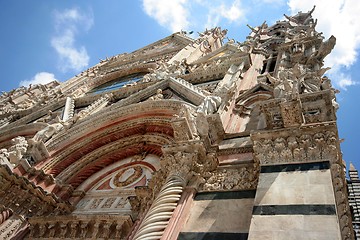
326	85
17	150
279	88
189	113
158	96
308	79
287	84
324	49
47	132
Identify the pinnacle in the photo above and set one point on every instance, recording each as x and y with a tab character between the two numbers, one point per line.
352	168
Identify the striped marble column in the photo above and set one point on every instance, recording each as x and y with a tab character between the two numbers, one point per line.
178	166
160	212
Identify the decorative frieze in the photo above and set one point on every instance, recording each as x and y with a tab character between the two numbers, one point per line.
25	199
234	178
95	204
317	143
80	227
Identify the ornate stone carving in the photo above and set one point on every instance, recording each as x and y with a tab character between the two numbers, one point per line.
210	105
24	98
296	146
81	227
123	178
184	124
25	199
4	157
284	86
158	96
291	113
94	107
68	109
9	230
308	108
17	150
179	165
111	129
237	178
141	202
96	203
342	203
47	132
108	202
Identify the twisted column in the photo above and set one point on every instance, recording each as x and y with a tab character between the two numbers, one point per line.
159	214
157	218
5	213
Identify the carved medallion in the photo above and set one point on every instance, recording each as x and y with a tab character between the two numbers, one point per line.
127	176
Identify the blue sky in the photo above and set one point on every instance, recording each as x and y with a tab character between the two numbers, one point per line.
47	39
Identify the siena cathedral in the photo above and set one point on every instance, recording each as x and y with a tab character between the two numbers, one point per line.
205	138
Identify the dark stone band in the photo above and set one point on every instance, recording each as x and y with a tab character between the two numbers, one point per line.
295	167
316	209
212	236
225	195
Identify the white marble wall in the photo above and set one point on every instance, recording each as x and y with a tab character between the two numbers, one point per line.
296	204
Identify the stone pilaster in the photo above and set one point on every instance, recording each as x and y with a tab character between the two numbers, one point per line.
301	192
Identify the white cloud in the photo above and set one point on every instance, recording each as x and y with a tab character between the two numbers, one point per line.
232	12
277	2
68	24
176	15
171	14
338	18
39	78
346	82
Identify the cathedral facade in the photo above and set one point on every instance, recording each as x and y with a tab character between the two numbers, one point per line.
205	138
